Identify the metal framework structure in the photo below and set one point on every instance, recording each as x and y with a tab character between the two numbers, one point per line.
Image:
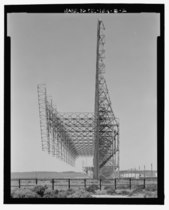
70	135
106	138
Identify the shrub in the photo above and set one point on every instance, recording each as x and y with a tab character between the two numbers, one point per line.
65	193
101	192
40	189
62	194
108	187
70	191
137	190
81	193
92	188
150	194
50	193
110	190
124	192
24	193
152	187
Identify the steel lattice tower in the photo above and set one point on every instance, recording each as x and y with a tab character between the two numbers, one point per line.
69	135
106	140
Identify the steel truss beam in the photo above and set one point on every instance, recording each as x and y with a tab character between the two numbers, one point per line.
64	134
55	139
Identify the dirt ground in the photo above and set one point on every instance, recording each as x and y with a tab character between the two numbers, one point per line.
130	194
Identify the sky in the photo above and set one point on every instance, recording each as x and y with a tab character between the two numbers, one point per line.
60	51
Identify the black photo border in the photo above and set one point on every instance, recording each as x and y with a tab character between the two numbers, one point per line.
84	8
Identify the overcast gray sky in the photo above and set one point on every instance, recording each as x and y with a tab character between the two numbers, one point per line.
60	50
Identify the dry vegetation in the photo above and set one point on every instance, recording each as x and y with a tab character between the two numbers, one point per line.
41	191
30	188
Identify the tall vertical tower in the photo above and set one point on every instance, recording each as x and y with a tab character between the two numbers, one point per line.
106	135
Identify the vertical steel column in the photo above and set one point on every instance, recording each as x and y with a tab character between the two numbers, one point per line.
118	148
42	100
96	140
105	139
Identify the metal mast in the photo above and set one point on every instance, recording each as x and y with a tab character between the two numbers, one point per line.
106	138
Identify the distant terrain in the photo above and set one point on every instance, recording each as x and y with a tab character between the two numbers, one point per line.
46	175
34	185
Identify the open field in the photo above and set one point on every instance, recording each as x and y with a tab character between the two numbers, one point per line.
122	183
80	184
47	175
92	191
